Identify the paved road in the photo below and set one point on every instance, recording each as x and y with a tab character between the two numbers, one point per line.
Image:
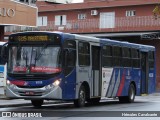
105	110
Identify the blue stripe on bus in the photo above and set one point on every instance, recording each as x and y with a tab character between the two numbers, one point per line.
35	83
121	79
69	86
110	87
117	82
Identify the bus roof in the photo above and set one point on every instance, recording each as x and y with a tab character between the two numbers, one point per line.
102	41
128	44
106	41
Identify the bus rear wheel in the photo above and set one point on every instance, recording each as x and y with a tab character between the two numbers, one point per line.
80	102
131	95
37	103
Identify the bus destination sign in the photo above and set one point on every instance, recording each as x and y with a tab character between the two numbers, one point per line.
31	38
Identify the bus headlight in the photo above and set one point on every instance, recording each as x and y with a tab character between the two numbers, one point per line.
48	87
54	84
57	82
11	85
8	82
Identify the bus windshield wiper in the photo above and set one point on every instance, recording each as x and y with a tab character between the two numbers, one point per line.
26	58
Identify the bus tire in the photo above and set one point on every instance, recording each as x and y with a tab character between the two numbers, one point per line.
80	102
37	103
131	95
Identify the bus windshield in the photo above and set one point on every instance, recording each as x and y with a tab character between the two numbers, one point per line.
34	59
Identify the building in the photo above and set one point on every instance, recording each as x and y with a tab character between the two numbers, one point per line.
134	21
58	1
17	13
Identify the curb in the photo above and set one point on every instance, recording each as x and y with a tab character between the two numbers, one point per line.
144	94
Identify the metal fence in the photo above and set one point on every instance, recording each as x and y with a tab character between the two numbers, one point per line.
134	23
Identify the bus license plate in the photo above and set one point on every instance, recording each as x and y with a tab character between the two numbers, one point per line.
29	93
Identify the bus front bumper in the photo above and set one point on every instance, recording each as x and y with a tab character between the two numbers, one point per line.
34	93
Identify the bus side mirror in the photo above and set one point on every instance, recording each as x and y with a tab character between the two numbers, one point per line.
4	53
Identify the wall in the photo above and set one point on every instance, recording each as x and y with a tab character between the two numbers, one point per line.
14	13
119	12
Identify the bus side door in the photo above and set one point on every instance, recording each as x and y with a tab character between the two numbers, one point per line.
145	72
96	84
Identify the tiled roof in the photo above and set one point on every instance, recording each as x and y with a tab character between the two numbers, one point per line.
45	6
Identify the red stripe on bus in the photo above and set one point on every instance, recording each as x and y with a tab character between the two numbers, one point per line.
121	85
19	83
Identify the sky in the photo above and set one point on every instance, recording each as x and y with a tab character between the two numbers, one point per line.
77	1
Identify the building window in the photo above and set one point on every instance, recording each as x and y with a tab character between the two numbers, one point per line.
33	1
23	0
60	19
27	1
81	16
42	21
131	13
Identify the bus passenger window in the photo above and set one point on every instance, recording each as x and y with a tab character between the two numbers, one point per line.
107	56
70	56
84	53
126	53
135	58
117	54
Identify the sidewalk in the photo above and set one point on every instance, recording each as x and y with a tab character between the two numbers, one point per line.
155	94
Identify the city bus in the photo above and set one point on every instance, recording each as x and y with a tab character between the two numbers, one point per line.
3	71
70	67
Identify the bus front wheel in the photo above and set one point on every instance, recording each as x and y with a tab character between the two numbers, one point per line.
37	103
80	102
